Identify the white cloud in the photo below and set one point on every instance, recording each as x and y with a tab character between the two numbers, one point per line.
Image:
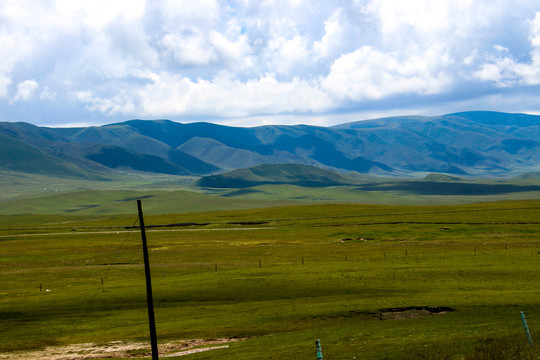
46	94
85	96
339	35
189	48
177	14
244	57
184	30
469	60
98	13
14	48
224	95
500	49
118	104
285	54
5	81
26	90
370	74
235	52
505	71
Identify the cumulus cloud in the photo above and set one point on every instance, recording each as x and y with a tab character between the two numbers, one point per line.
26	90
245	58
224	95
97	14
505	71
190	48
340	35
117	104
368	73
46	94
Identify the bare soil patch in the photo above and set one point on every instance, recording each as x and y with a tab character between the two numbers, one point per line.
412	312
119	349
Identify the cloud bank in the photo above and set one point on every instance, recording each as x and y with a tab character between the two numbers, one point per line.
248	62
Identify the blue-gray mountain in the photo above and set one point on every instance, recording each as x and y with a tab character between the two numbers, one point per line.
469	143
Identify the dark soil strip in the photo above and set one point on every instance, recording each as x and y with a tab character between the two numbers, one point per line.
431	309
167	225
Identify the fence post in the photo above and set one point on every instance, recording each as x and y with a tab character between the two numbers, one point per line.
527	332
319	350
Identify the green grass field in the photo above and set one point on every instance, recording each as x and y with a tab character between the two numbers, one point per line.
111	195
278	278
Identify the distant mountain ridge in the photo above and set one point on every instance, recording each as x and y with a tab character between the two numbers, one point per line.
477	143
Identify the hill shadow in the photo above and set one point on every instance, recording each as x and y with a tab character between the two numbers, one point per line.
449	188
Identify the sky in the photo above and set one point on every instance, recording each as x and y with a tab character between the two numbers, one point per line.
257	62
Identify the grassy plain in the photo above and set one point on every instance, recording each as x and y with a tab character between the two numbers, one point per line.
279	278
113	193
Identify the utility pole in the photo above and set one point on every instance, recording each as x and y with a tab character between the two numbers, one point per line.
149	297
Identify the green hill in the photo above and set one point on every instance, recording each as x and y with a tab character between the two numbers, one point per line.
23	157
441	177
470	144
292	174
116	157
529	176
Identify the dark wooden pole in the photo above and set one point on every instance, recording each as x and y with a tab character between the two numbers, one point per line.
149	297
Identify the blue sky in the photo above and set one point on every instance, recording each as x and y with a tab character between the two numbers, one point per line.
248	63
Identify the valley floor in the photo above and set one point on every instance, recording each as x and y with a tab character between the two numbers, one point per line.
369	281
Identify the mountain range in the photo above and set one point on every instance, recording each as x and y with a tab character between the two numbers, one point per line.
465	144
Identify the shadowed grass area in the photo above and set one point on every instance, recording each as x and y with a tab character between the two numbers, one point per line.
290	276
452	188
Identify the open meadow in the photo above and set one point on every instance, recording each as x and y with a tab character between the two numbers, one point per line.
369	281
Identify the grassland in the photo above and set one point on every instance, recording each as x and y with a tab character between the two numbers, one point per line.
111	194
279	278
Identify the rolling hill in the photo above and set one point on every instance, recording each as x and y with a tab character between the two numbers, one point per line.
462	144
23	157
292	174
